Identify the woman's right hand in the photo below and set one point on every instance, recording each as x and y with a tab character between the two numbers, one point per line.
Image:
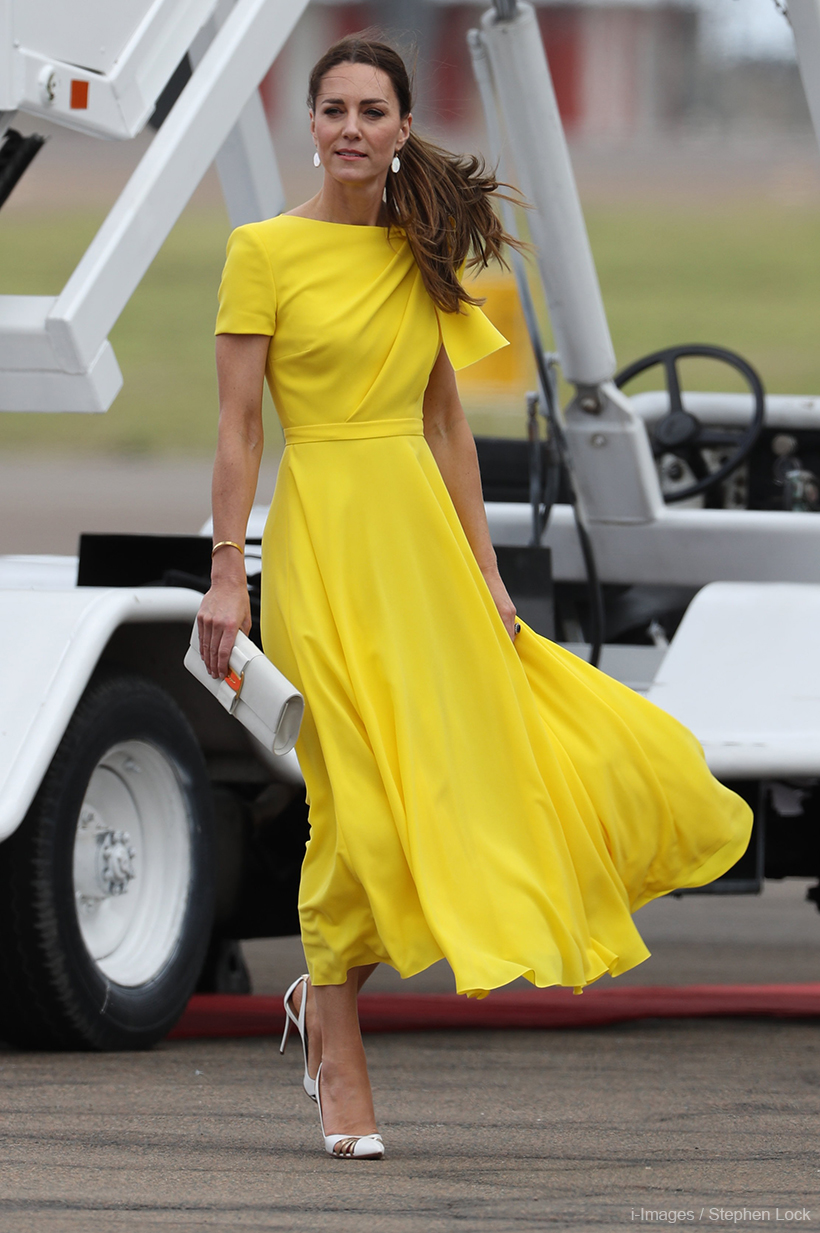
224	610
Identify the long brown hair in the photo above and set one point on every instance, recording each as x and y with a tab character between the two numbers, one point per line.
441	201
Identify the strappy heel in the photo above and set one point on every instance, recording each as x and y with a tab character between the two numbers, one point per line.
292	1019
350	1147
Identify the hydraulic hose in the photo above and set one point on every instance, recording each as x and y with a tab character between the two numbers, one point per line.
16	153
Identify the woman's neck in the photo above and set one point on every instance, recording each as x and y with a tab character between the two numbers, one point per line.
356	205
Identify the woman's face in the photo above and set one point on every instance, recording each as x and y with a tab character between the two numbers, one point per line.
356	126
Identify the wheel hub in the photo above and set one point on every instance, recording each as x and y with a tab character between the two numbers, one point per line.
676	429
131	862
115	862
104	860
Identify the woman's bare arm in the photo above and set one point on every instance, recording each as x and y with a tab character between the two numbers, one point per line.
240	366
453	448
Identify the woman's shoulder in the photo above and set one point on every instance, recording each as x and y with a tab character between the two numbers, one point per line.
285	238
293	243
259	235
310	230
272	245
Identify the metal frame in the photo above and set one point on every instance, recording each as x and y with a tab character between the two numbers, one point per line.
54	353
804	16
122	86
637	538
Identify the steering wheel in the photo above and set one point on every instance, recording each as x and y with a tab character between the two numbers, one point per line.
682	434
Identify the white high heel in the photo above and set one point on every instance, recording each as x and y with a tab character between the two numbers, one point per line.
351	1147
298	1021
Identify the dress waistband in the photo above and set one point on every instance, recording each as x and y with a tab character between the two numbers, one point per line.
354	430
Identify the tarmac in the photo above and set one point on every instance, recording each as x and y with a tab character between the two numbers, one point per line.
708	1122
498	1132
46	502
484	1131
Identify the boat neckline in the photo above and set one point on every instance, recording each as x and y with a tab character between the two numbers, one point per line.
326	223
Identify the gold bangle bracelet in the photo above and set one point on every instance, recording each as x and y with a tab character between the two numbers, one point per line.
227	543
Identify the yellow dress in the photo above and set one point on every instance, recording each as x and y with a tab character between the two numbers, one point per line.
504	806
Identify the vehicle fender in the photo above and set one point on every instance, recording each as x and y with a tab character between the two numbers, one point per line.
743	674
51	643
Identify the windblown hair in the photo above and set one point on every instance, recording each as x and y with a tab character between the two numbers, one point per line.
441	201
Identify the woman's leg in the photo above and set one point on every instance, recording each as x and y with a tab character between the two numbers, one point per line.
347	1102
312	1022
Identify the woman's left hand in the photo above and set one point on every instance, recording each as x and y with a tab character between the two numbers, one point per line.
503	603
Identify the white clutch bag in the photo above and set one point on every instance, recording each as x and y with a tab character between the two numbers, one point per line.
254	692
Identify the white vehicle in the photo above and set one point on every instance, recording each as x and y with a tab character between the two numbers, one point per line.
140	829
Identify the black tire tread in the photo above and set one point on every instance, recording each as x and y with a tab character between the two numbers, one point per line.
40	1006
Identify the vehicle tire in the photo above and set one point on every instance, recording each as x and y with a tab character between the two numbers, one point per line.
106	889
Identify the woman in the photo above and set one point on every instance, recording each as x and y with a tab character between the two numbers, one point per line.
476	793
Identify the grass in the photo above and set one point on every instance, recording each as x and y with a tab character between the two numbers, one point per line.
746	276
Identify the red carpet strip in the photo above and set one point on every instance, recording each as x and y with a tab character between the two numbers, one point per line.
216	1014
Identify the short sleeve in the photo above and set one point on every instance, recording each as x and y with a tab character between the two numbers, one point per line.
468	336
247	294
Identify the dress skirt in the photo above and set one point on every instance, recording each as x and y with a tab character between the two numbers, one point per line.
501	805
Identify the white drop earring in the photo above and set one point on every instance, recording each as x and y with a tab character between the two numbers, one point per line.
395	166
317	162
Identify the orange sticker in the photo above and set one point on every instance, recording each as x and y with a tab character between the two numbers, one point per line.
79	94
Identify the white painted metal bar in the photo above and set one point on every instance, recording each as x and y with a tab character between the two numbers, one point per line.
544	173
786	412
248	170
122	53
156	194
7	103
31	377
495	144
804	16
683	547
613	472
246	163
90	392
